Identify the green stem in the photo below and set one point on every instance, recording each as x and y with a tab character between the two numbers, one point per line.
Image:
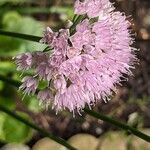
42	131
76	21
47	49
21	36
118	124
32	10
74	18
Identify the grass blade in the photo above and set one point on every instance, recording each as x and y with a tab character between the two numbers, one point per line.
21	36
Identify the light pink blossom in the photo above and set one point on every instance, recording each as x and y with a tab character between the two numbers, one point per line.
44	71
39	57
83	35
45	97
49	36
80	7
61	42
24	61
72	52
71	66
29	85
60	84
93	8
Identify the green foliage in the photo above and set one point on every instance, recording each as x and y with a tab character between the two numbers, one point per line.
2	119
1	85
12	130
2	2
32	104
12	21
7	102
7	67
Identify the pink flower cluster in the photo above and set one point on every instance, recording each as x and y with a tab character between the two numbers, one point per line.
93	8
84	67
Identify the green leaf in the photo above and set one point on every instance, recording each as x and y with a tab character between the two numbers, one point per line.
14	22
7	102
10	81
15	131
32	104
7	67
2	119
9	20
1	85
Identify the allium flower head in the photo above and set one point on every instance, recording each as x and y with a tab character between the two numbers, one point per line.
86	66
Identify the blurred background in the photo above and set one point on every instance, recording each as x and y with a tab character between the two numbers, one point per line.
131	103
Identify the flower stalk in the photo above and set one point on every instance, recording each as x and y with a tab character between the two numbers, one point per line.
118	124
20	36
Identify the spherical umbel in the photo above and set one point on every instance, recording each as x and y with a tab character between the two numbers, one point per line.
85	67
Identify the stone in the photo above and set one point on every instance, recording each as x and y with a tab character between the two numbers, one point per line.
84	142
15	147
47	144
